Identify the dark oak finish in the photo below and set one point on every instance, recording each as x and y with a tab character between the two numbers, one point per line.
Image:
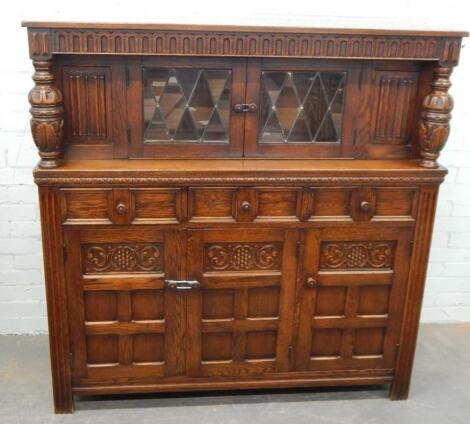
273	226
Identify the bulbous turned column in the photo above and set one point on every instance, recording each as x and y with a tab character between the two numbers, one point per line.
435	116
47	121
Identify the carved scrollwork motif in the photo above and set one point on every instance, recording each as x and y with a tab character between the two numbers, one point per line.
363	254
242	256
434	126
47	114
122	258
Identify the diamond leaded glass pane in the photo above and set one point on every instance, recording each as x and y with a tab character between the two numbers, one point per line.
301	107
186	105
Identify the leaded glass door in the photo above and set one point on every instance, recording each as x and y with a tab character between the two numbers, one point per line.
301	108
186	107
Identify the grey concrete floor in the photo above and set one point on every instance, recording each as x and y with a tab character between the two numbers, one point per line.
440	393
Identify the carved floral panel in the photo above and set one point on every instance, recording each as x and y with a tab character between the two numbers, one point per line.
135	257
242	256
357	254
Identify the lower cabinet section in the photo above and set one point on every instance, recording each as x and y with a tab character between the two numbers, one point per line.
179	306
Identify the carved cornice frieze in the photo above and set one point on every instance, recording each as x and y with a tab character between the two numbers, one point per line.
46	42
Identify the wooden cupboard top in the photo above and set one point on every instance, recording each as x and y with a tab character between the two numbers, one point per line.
239	28
49	38
239	171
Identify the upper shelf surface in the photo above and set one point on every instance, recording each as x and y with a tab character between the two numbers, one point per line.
236	28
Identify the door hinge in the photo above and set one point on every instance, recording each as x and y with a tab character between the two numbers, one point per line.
128	135
297	249
64	252
411	247
128	77
397	348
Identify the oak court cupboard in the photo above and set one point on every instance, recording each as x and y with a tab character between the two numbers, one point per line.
235	207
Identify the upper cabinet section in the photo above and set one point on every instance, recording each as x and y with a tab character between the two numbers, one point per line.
108	91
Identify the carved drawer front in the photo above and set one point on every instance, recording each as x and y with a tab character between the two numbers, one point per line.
242	315
360	204
123	206
231	204
121	317
353	286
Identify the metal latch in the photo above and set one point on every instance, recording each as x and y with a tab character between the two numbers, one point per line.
182	284
245	107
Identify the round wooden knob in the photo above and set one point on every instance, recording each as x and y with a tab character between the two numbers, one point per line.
365	206
246	206
121	208
311	282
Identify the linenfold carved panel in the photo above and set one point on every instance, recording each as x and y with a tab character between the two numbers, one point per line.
396	96
86	106
135	257
357	254
242	256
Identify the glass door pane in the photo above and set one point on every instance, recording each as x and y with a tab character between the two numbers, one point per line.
305	107
185	107
301	107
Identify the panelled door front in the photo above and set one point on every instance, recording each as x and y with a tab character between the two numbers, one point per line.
240	321
124	324
353	284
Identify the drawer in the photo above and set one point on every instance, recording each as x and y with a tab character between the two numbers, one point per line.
123	206
361	204
232	204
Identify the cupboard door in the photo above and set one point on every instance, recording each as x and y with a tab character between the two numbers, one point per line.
185	107
240	321
304	107
124	324
353	287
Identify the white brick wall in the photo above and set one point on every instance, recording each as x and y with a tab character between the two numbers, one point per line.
22	306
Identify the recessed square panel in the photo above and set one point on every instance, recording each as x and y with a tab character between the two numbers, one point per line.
217	346
369	341
261	345
217	304
155	204
331	203
374	300
148	305
279	203
330	301
86	204
395	202
211	203
263	302
326	343
100	306
102	349
148	348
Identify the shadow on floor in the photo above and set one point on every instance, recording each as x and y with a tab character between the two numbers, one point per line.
234	397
